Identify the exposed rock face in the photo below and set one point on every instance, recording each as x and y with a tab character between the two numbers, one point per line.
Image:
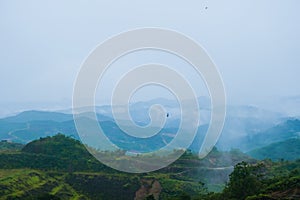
148	187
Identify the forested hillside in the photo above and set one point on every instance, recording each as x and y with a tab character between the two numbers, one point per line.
60	167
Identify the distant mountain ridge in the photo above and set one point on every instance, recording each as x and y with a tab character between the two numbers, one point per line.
246	127
281	132
286	150
34	115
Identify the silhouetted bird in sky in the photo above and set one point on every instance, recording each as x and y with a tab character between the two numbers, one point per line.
167	114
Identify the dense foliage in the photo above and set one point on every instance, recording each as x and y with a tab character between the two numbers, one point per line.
60	167
9	146
264	180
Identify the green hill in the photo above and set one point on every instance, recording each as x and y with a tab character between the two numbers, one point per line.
70	170
9	146
287	150
60	167
58	145
283	131
52	153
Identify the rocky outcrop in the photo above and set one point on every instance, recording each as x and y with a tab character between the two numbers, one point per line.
149	187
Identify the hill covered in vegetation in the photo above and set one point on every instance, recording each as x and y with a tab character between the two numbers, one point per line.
10	146
285	150
60	167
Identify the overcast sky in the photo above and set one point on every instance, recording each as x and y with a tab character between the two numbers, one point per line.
254	43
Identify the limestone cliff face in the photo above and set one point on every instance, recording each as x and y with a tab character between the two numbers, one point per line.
148	187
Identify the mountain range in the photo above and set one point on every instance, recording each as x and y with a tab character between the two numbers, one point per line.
246	127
